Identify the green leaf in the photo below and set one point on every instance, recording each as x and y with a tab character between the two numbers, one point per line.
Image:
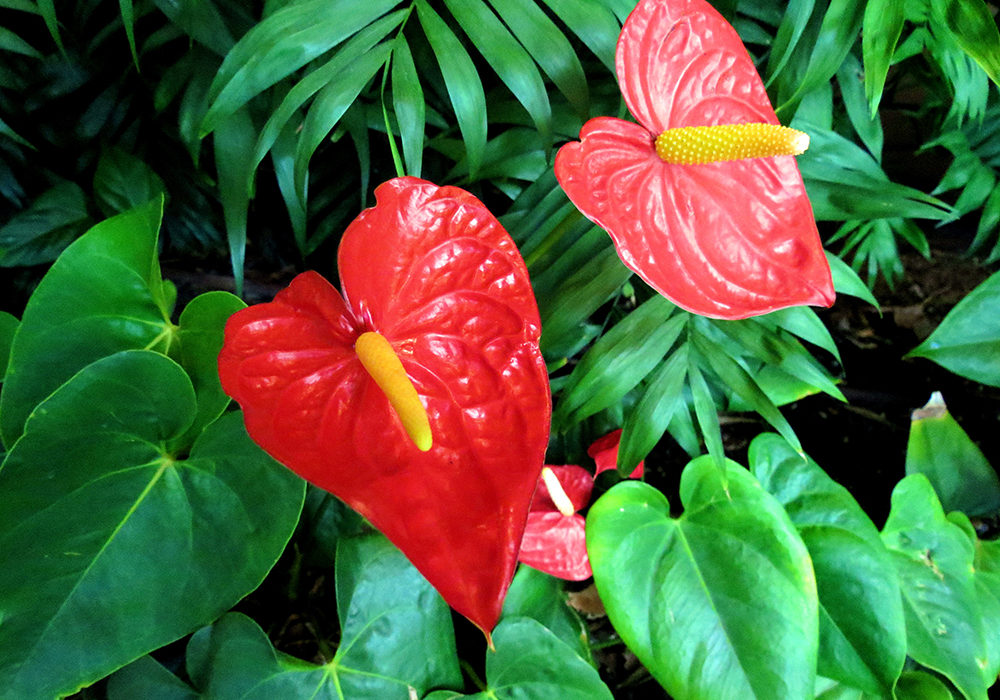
620	359
102	295
234	165
967	341
9	41
934	561
729	582
987	563
396	639
939	449
330	105
147	679
122	182
846	280
408	105
531	663
972	25
200	338
281	44
920	685
880	30
862	634
541	597
461	79
132	546
852	92
593	23
661	401
200	20
47	8
705	410
128	19
549	47
506	56
43	230
786	39
8	326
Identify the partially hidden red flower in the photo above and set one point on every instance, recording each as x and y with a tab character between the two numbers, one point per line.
418	396
555	536
722	238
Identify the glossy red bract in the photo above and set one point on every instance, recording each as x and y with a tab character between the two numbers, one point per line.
727	240
432	270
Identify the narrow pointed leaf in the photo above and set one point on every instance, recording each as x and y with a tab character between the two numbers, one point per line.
408	105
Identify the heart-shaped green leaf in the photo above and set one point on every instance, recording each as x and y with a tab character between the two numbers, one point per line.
541	597
987	564
102	295
720	602
396	639
121	545
934	561
862	635
531	663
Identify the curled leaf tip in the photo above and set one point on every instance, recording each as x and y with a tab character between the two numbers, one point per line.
383	364
694	145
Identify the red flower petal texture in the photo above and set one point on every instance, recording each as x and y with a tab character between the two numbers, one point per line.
726	239
556	544
433	271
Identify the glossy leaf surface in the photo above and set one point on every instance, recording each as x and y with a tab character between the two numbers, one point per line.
116	539
720	602
531	663
862	635
387	612
934	560
727	240
541	597
431	270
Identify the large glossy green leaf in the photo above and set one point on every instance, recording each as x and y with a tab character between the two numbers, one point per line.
465	89
8	326
43	230
541	597
102	295
934	561
967	342
718	603
531	663
939	449
282	43
862	634
396	639
987	563
121	544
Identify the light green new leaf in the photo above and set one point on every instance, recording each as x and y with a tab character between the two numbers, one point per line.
531	663
939	449
880	31
967	341
461	79
718	603
281	44
934	561
507	57
121	545
102	295
620	359
541	597
396	639
862	634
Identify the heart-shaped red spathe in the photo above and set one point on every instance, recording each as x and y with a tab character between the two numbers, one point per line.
729	239
434	272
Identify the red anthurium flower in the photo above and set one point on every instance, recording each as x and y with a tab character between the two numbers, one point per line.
554	538
716	217
420	396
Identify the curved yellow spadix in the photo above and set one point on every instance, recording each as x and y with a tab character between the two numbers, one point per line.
382	363
557	493
691	145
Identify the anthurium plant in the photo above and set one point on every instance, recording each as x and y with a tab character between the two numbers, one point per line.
466	348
